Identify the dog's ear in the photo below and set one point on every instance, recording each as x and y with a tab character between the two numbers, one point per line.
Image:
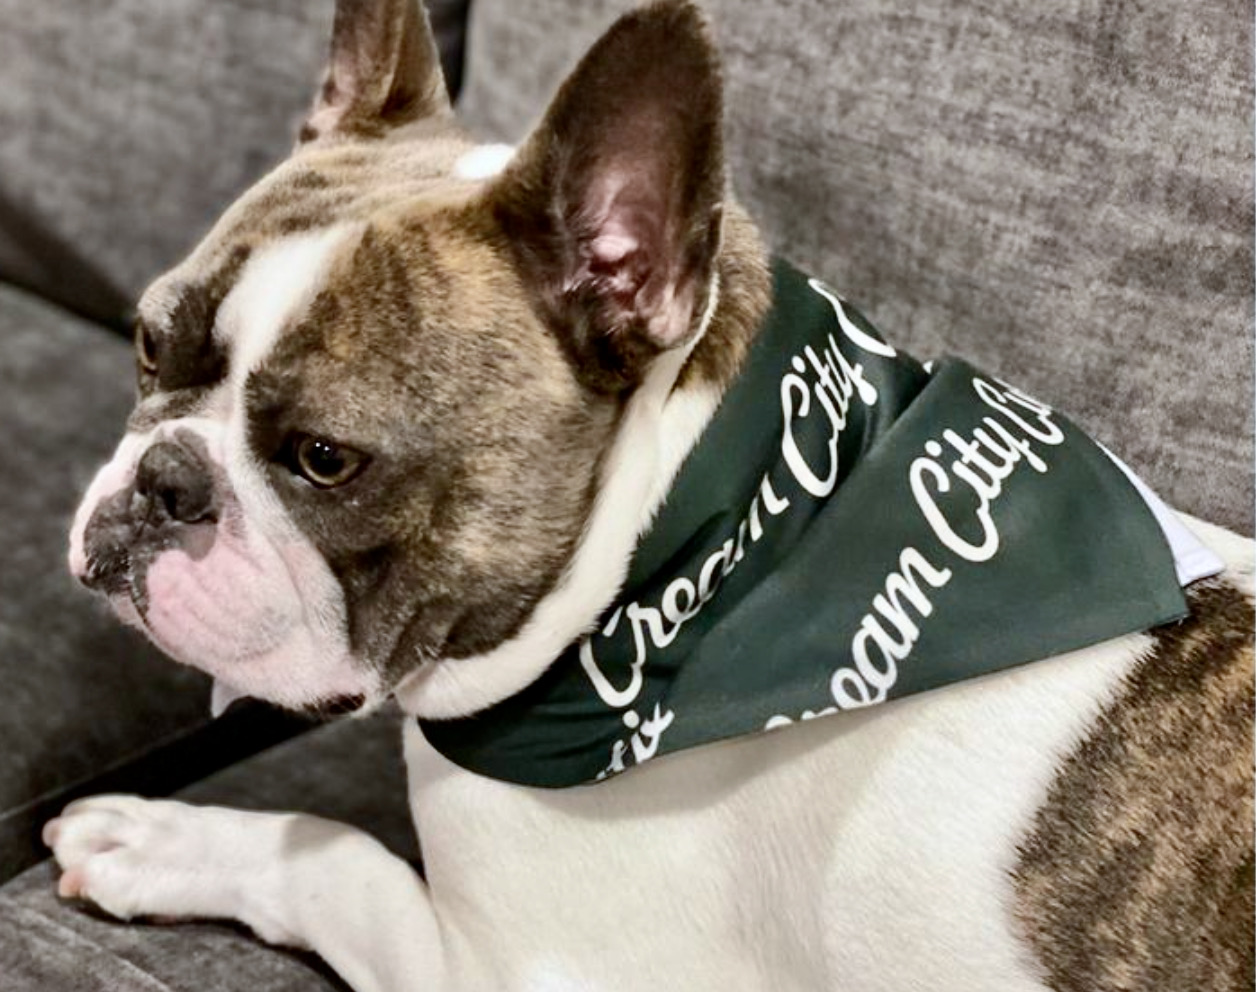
613	206
384	71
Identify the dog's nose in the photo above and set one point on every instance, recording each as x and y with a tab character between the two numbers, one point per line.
175	484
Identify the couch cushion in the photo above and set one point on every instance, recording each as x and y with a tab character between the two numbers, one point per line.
127	125
46	944
350	771
86	703
1060	193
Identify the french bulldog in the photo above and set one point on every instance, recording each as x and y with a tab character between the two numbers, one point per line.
403	416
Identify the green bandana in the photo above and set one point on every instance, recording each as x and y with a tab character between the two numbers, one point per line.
850	528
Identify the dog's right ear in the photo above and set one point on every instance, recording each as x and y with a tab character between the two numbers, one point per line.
613	207
384	71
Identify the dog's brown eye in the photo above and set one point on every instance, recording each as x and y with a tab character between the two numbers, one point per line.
146	347
325	463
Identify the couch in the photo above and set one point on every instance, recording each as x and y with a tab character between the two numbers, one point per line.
1061	193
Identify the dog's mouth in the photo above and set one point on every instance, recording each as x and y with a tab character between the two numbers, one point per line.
243	598
120	568
336	707
119	578
233	614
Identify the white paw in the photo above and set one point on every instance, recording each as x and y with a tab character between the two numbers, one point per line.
142	857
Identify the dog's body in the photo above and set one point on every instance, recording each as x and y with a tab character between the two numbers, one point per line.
1081	823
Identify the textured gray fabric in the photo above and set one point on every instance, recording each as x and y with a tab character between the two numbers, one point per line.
48	946
349	771
126	126
1060	193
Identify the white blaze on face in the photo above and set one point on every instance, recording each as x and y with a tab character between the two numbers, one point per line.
256	607
483	162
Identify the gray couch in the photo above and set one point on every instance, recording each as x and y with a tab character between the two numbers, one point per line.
1062	194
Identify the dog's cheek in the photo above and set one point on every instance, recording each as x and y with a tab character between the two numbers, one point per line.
258	611
219	609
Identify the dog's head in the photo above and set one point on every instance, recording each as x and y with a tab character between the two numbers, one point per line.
376	402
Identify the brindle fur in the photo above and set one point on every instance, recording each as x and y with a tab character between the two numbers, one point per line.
1137	874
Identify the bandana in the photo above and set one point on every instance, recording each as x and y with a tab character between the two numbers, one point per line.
851	527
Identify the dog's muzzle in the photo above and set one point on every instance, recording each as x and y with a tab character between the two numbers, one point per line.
170	503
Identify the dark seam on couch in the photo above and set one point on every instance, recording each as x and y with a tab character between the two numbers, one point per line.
109	769
170	764
58	263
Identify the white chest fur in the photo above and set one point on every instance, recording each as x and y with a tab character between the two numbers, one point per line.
803	859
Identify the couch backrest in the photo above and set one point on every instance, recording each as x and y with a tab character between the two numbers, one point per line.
126	126
1061	193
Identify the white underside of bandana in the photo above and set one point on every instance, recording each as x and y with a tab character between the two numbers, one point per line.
1192	559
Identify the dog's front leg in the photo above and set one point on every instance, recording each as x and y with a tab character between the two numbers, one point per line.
293	879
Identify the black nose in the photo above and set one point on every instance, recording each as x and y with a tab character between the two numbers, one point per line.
175	484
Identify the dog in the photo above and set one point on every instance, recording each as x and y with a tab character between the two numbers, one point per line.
405	419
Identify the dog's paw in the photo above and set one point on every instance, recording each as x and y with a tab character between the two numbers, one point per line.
166	860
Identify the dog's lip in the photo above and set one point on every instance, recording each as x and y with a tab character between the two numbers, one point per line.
134	606
106	573
338	706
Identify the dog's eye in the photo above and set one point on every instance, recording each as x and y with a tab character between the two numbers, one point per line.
146	347
325	463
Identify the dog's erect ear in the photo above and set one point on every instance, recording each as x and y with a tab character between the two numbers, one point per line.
384	71
614	204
